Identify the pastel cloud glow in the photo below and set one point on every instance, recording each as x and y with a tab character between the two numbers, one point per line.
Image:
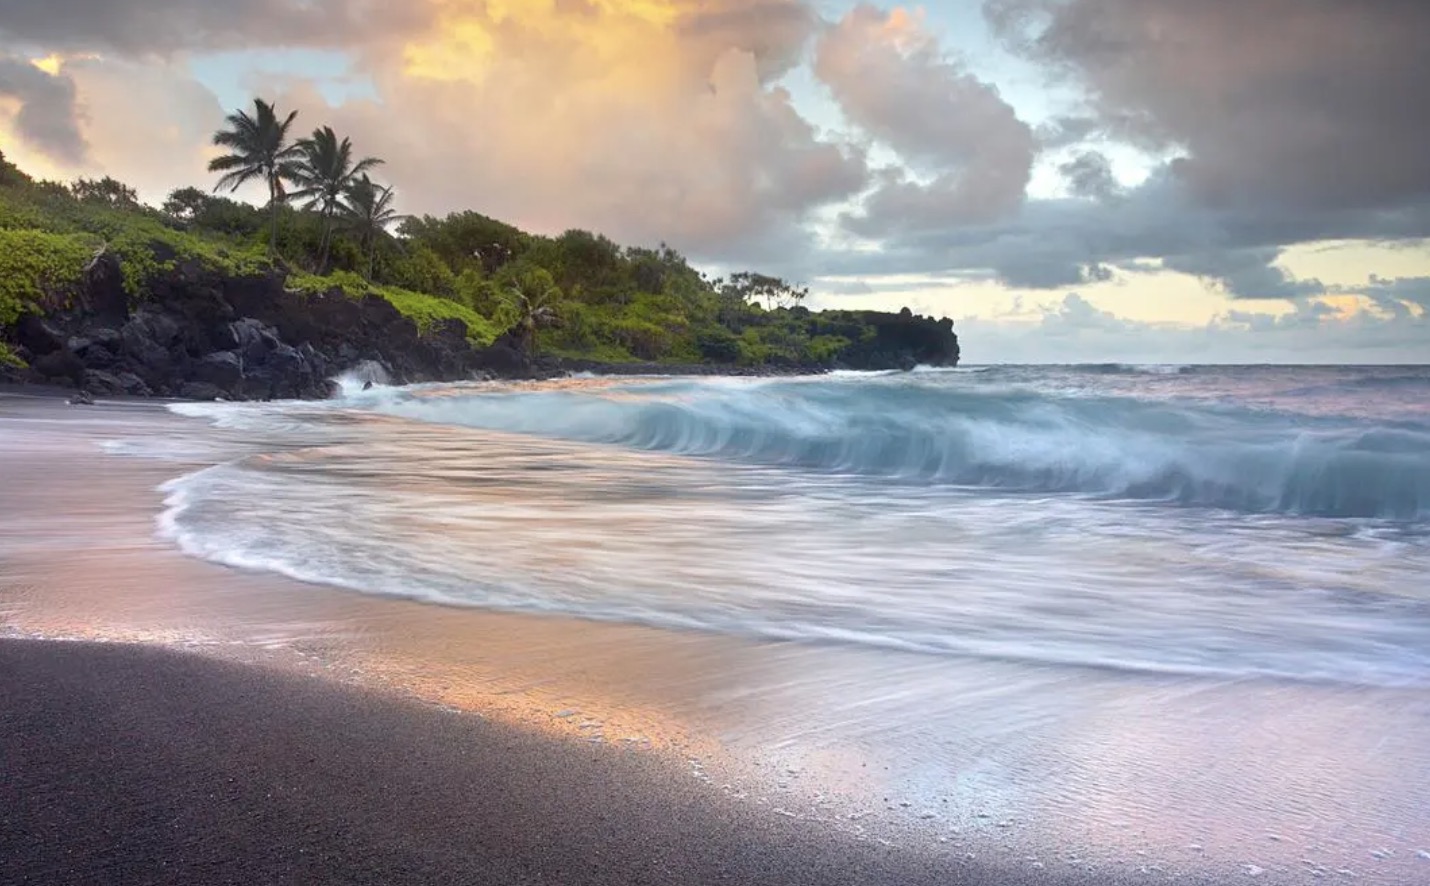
960	163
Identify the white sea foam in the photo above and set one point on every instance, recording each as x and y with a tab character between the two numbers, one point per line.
1196	454
829	510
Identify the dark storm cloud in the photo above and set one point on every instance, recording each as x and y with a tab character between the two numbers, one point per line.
1290	120
1089	174
47	115
1066	131
1318	104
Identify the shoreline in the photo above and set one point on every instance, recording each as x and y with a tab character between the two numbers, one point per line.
927	759
55	389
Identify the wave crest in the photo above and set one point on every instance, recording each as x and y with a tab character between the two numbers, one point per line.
1018	440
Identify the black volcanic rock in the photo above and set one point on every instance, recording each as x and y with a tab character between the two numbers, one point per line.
60	366
222	369
39	335
197	390
201	335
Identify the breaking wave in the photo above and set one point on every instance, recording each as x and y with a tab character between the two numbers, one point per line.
908	430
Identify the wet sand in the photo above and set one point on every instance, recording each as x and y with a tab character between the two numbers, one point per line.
136	765
797	762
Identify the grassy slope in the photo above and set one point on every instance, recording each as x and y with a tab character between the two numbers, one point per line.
425	310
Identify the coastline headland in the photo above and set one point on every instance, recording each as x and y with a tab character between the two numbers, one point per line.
208	298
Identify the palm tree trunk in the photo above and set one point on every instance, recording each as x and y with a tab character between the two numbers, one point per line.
327	240
273	212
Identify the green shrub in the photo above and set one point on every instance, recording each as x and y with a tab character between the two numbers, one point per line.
39	271
147	250
610	303
718	345
480	293
310	284
9	357
422	271
825	349
427	310
140	238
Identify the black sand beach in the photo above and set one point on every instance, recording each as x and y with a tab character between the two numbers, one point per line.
127	764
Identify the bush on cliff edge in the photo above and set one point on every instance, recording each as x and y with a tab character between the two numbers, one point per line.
40	271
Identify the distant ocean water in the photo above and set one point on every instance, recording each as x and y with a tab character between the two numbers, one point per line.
1223	521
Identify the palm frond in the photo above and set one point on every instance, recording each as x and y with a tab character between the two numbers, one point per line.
238	178
227	162
366	164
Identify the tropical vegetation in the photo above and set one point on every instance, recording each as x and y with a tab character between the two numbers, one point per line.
326	173
258	149
328	225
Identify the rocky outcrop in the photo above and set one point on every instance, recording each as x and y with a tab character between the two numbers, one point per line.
199	335
900	341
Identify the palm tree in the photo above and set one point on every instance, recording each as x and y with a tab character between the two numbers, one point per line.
533	297
259	150
367	206
325	173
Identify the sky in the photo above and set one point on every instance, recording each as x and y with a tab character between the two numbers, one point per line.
1070	180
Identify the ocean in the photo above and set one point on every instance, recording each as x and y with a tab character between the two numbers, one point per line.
1227	522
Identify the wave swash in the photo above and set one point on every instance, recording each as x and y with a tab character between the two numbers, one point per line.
1234	522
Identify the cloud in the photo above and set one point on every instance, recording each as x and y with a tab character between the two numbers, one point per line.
840	286
47	118
971	154
161	27
1314	104
1279	123
1284	122
1075	330
1066	131
1075	314
1089	174
1401	298
1267	141
1058	243
1307	315
647	120
774	31
1246	273
654	120
159	155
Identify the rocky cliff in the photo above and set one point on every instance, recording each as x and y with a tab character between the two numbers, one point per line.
199	335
